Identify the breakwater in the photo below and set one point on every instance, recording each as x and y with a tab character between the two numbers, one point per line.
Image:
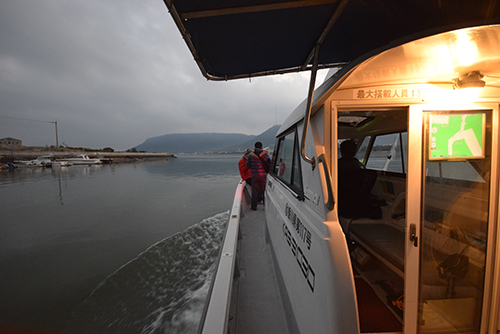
119	156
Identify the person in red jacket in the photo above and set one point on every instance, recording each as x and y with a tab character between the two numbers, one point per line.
258	161
246	174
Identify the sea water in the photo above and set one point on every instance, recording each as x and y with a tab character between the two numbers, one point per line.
124	248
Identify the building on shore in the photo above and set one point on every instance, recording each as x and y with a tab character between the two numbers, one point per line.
10	142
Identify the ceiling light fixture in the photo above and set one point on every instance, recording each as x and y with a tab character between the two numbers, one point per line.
468	86
469	80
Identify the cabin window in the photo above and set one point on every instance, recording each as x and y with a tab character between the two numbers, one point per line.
287	161
389	153
361	154
457	170
363	148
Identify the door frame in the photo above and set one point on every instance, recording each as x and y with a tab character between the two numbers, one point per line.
414	196
490	320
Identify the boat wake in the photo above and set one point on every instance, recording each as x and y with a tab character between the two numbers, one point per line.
163	290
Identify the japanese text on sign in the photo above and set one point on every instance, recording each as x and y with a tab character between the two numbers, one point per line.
389	93
298	226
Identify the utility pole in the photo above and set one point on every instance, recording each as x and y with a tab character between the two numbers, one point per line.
57	139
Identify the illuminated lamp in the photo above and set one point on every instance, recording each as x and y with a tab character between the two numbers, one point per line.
468	86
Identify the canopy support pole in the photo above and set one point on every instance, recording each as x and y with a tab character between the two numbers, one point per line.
307	116
312	82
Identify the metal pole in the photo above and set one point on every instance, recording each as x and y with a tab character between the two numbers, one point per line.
307	115
315	53
57	139
325	32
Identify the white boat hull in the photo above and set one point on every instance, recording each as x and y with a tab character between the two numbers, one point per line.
82	160
58	163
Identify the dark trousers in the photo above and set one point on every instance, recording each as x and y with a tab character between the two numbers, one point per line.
258	189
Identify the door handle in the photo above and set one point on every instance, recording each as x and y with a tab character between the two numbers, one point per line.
413	234
330	204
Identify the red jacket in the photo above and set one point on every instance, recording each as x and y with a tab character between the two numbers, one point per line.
244	170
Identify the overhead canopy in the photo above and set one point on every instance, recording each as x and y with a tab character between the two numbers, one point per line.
244	38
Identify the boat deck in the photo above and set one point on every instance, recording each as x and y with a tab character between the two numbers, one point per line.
257	306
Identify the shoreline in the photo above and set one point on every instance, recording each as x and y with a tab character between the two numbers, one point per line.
11	155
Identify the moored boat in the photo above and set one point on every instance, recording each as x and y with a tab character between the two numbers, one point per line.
82	159
61	163
27	163
7	166
43	161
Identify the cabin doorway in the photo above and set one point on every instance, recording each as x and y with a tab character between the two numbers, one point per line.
421	265
372	210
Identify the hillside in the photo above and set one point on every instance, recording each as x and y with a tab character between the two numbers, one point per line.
206	142
267	138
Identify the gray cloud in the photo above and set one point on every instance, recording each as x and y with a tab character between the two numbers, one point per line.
114	73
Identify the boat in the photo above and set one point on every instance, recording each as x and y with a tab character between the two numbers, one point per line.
61	163
43	161
27	163
415	88
81	159
7	166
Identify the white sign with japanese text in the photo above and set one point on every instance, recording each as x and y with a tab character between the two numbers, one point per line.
389	93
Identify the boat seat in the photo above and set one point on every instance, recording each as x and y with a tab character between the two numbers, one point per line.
381	239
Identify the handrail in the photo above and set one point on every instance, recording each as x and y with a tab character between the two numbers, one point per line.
216	315
312	82
307	115
329	184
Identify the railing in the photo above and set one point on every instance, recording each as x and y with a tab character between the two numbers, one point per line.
215	319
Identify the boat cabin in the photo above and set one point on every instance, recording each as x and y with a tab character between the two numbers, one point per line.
413	225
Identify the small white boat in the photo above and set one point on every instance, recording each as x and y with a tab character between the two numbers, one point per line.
60	163
82	159
26	163
45	161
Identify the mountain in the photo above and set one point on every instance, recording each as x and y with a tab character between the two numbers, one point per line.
206	142
267	138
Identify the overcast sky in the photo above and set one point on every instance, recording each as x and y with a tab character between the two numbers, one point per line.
116	72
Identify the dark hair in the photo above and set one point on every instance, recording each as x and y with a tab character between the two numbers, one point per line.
258	144
348	148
